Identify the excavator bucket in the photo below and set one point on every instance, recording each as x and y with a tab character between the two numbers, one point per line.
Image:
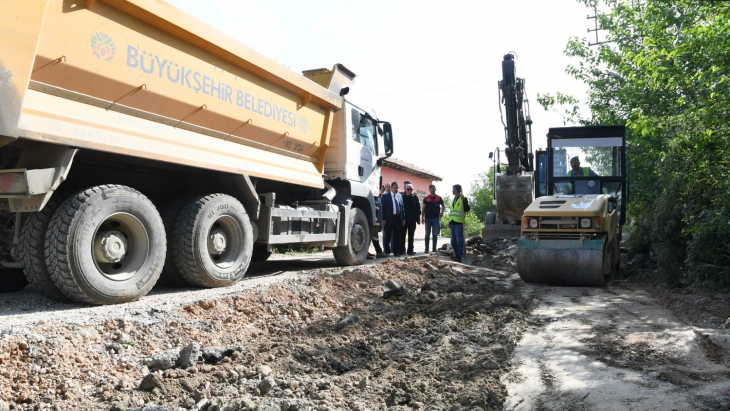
514	193
582	263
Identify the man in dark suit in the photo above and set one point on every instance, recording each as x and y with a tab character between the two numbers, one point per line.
394	218
412	207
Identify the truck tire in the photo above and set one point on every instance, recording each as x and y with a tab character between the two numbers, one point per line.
169	213
260	253
12	280
31	248
212	241
491	218
356	251
105	245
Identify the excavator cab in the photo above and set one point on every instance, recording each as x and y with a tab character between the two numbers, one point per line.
571	235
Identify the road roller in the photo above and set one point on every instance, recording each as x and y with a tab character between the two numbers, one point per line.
571	235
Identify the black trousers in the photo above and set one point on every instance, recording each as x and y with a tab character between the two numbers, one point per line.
376	244
409	228
392	231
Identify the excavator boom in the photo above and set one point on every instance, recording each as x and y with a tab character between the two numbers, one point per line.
514	189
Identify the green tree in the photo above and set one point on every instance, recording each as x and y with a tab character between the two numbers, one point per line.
665	73
482	193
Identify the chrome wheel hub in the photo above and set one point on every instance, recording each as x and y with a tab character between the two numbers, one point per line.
110	247
217	242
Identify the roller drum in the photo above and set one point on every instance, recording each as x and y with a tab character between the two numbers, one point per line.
565	266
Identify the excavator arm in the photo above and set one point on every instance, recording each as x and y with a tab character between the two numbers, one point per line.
514	189
517	127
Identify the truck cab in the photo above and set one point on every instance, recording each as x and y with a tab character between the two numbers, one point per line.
359	140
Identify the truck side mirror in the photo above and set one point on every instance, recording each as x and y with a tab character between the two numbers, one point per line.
388	139
491	154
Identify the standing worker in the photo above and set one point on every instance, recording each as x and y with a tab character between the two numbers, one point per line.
393	219
412	207
459	208
433	210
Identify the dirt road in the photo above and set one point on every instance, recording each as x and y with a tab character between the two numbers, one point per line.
23	310
615	349
303	334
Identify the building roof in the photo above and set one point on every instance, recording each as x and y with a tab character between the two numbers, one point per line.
401	165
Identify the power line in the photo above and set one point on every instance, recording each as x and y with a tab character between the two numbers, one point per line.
446	87
422	91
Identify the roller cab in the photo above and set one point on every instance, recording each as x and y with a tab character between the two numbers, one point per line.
571	236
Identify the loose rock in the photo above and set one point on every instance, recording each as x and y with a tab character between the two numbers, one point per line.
490	365
347	320
151	381
241	404
266	385
344	366
393	284
164	360
394	293
212	355
264	370
189	355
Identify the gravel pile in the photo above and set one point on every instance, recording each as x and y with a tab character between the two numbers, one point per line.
407	334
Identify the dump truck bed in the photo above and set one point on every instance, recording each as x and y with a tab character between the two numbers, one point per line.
141	78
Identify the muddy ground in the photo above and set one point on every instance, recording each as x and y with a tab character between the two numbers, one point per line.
443	344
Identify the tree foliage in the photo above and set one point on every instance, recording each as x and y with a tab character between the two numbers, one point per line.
482	193
665	74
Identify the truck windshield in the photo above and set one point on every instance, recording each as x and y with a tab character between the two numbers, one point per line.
367	133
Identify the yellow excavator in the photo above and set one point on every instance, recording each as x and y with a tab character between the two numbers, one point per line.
571	235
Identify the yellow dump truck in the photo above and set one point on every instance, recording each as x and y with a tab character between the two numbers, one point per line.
137	143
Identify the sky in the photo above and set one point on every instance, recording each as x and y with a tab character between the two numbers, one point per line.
428	67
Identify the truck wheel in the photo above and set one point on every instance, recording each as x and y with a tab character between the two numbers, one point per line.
169	213
12	280
31	248
260	253
105	245
212	241
356	251
491	218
